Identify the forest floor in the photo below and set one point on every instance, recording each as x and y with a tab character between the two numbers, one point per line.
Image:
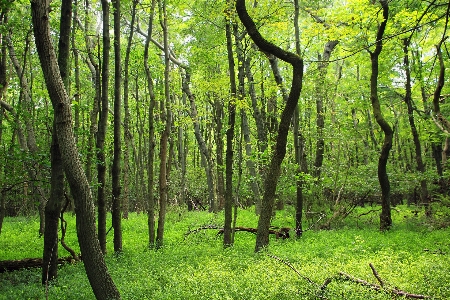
413	257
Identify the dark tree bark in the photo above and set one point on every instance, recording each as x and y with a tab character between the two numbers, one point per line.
102	126
166	119
151	125
54	204
116	169
299	143
228	207
385	216
262	237
3	85
96	270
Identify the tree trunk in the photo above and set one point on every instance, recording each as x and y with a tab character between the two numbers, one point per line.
3	84
151	125
299	143
116	169
228	207
262	237
102	127
385	216
54	204
438	151
165	118
96	270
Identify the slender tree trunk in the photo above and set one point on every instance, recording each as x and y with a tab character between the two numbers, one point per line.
3	84
262	237
299	143
116	169
228	207
102	127
96	270
385	216
54	204
165	118
151	125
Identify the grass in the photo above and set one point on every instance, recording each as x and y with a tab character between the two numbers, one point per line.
413	257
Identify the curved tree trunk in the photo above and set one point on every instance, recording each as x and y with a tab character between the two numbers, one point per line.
262	237
96	270
385	216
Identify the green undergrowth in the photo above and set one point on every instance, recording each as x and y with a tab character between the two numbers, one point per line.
413	256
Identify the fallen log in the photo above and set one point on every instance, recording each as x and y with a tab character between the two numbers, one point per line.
282	232
29	263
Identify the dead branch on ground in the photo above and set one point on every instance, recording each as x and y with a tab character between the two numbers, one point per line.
381	287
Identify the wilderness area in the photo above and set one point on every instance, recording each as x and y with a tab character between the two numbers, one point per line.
179	149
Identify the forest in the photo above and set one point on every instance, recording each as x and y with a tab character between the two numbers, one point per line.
256	133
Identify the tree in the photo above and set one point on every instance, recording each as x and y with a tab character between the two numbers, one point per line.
116	169
227	232
54	204
385	216
262	237
96	270
102	127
